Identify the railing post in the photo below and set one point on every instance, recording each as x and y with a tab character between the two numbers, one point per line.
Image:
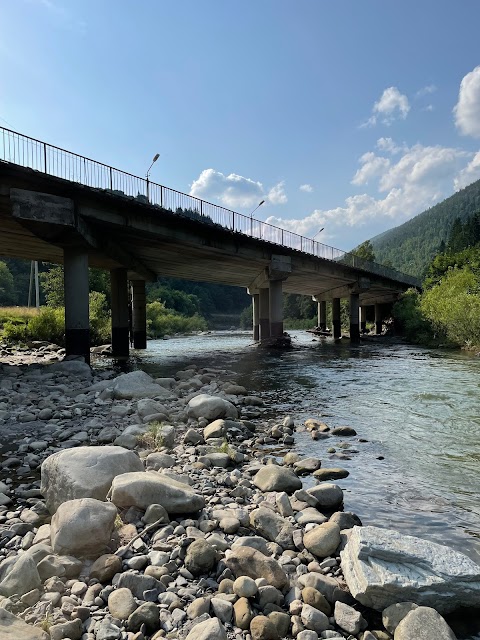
301	243
233	221
111	180
251	226
282	238
201	207
161	196
45	157
148	191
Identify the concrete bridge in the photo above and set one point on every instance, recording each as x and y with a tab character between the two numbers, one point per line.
59	207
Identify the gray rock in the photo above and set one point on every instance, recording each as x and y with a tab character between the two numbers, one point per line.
307	635
157	460
147	614
138	583
272	526
344	431
136	385
106	630
222	609
84	472
148	407
13	628
314	619
72	629
272	477
246	561
322	540
210	407
348	618
255	542
216	429
193	437
333	473
382	567
83	528
121	603
345	520
20	578
329	496
200	558
75	368
245	587
423	623
208	630
142	489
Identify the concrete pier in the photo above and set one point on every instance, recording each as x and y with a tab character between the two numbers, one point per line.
354	318
256	316
264	314
76	290
276	308
378	318
139	314
120	320
336	320
322	314
363	319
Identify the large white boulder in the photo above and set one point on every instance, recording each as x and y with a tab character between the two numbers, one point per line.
82	528
272	477
20	577
382	567
211	407
84	472
136	385
13	628
143	489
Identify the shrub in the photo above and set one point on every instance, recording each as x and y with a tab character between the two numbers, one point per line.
415	326
48	325
162	321
100	325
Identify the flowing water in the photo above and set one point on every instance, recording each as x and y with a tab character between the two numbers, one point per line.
419	410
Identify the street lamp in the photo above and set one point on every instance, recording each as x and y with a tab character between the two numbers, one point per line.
251	216
155	158
320	231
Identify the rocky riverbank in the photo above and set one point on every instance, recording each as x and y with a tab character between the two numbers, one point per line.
136	509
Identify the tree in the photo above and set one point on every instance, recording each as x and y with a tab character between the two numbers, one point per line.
7	289
365	251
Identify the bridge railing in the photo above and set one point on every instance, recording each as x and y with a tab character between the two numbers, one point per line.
46	158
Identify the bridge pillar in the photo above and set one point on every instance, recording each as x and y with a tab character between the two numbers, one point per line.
363	319
276	308
76	290
322	314
354	318
120	319
256	316
139	314
336	320
378	318
264	314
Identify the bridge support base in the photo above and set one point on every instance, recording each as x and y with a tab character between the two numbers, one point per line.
256	316
336	321
76	289
363	319
120	329
322	314
139	314
378	319
264	314
276	308
354	318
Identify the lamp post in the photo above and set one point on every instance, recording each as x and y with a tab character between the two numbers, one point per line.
155	158
251	216
320	231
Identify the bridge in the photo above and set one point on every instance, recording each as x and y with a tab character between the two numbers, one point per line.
60	207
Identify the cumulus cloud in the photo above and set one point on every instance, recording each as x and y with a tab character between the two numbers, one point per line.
426	91
469	174
373	166
306	187
467	109
389	146
391	106
234	191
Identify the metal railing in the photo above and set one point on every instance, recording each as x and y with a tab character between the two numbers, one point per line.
40	156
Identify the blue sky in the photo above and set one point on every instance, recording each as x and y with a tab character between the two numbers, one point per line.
353	115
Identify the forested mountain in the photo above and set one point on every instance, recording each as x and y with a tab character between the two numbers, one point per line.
411	246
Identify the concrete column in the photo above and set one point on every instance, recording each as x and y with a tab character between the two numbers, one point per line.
76	289
139	314
336	321
378	319
363	319
322	315
354	318
256	316
276	308
120	319
264	314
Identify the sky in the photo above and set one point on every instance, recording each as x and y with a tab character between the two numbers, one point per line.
347	115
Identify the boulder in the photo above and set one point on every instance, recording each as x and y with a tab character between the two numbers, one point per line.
382	567
75	368
332	473
208	630
13	628
322	540
20	578
216	429
275	478
143	489
349	619
261	628
211	407
314	619
147	407
200	558
158	460
423	623
83	528
105	567
328	495
136	385
395	613
84	472
246	561
273	527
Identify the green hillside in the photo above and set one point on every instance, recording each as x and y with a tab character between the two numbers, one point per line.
411	246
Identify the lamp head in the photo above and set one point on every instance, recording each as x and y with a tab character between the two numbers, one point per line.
155	157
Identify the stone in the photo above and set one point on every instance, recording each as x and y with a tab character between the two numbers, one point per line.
329	496
314	619
344	431
382	567
283	504
200	558
138	583
348	618
306	634
272	477
281	622
72	630
106	630
121	603
146	614
345	520
272	526
20	578
148	407
50	566
394	614
322	540
75	368
193	437
261	628
242	613
423	623
158	460
142	489
310	515
136	385
216	429
316	599
210	407
246	561
333	473
13	628
307	465
207	630
105	567
328	586
156	513
83	528
245	587
198	607
222	609
255	542
84	472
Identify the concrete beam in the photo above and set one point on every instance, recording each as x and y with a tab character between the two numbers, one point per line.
359	286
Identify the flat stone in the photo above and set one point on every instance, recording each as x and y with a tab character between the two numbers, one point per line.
423	623
208	630
314	619
344	431
246	561
349	619
211	407
332	473
272	477
13	628
272	526
329	496
136	385
21	578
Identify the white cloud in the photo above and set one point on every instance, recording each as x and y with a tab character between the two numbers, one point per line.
469	174
392	105
234	191
306	187
373	166
467	109
429	107
426	91
388	145
277	194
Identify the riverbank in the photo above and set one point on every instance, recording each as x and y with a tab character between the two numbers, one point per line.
232	486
